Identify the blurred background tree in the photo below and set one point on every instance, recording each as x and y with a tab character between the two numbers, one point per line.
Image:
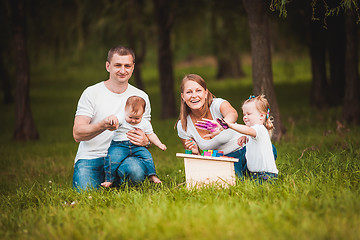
82	31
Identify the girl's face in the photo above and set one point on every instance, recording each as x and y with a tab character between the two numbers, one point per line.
194	95
133	118
251	114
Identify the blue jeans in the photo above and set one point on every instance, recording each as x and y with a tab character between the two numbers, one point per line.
119	150
263	176
89	173
240	166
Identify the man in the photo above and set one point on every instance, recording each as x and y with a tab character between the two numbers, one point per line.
93	129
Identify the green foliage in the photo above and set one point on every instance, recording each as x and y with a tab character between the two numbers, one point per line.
279	5
331	8
316	196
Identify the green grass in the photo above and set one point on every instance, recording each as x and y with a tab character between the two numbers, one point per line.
316	196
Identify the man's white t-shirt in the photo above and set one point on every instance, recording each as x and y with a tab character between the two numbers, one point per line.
124	127
259	152
98	102
225	141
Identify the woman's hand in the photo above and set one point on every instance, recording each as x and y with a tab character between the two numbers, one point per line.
210	125
190	144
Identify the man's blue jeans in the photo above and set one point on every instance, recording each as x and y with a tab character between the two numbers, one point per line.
89	173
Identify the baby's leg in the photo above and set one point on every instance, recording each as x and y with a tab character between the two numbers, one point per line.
146	158
117	152
106	184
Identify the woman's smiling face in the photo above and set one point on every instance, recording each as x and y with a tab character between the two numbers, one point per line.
194	95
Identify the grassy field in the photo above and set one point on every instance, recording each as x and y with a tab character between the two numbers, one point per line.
316	197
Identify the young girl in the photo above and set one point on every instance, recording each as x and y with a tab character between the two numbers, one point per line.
121	147
258	128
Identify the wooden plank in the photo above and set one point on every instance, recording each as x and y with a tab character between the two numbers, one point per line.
204	170
199	157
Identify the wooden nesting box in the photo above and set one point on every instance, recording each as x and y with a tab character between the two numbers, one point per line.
205	170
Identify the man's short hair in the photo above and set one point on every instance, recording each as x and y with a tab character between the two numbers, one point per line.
121	51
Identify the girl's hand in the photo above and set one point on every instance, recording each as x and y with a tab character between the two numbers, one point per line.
242	141
192	145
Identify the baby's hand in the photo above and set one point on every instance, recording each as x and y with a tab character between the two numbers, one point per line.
162	147
106	184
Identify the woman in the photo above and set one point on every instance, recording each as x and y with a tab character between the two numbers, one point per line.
197	102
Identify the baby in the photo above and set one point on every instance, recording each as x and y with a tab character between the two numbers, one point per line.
121	147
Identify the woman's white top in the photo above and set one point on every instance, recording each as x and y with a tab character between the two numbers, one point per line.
225	141
259	152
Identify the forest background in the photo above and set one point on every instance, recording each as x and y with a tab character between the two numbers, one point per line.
302	54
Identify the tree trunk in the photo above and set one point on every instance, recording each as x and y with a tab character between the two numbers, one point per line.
318	65
165	61
134	15
227	56
336	50
5	82
261	58
229	67
25	128
351	108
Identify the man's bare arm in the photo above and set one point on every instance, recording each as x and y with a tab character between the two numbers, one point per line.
83	130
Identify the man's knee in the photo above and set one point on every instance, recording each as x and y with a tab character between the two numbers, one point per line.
132	170
86	176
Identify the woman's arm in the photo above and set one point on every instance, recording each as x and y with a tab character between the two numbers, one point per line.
229	113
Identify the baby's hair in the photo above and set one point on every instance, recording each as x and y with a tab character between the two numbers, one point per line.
263	106
136	104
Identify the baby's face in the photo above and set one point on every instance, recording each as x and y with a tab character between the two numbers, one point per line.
133	118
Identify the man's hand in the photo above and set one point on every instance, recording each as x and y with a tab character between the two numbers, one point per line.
137	137
111	123
84	130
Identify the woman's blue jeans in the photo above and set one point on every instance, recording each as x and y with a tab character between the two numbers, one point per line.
89	173
240	166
